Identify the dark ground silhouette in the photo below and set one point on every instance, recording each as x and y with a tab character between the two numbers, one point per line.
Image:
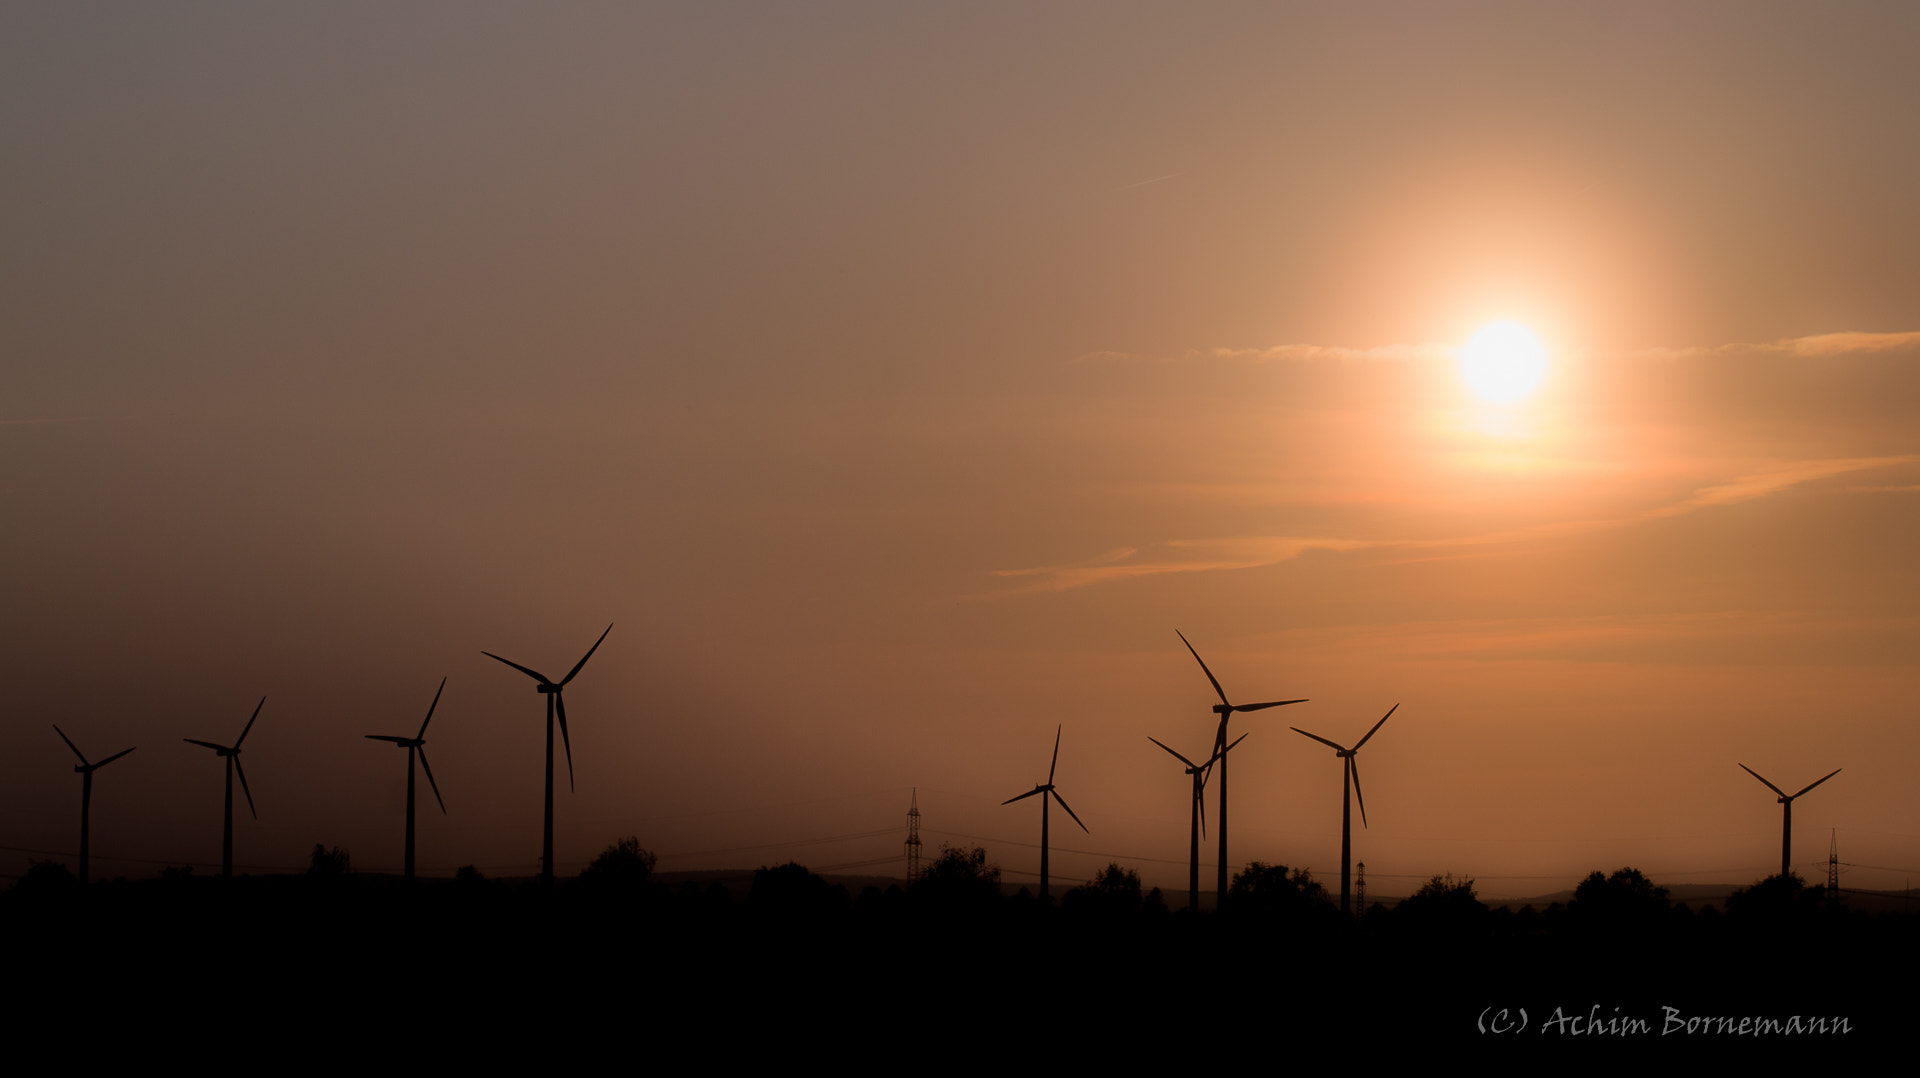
801	966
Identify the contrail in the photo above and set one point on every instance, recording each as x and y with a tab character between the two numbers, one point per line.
1143	183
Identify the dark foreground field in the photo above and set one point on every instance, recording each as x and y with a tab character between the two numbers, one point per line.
332	967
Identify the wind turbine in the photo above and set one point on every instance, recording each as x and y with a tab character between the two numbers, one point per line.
86	771
1047	788
417	746
551	690
1349	791
1225	709
1786	817
1198	827
232	755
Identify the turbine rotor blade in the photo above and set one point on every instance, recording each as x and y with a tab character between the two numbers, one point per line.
1353	767
1218	755
1809	786
1770	785
208	744
424	766
1268	704
1317	737
1024	796
387	737
1176	755
430	707
1377	726
114	757
1069	808
249	727
70	744
588	655
1203	666
1056	755
534	674
242	772
1199	797
560	705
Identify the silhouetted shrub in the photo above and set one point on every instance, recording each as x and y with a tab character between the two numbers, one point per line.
329	863
790	890
1114	892
46	879
1441	905
1264	890
623	866
1625	902
469	876
959	874
1775	901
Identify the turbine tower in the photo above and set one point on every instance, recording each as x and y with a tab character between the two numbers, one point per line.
1786	818
86	771
416	746
551	690
1349	791
1225	709
1197	828
1047	788
232	755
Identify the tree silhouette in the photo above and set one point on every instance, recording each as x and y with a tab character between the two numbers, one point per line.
960	874
790	890
46	879
1276	891
624	866
329	864
1624	901
1115	891
1443	904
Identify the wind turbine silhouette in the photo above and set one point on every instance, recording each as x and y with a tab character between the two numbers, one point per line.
86	771
1198	827
1349	790
1047	788
551	690
417	746
232	755
1225	709
1786	817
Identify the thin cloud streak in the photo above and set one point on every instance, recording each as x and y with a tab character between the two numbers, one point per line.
1820	344
1252	552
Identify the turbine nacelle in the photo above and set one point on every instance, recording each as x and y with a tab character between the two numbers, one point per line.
546	688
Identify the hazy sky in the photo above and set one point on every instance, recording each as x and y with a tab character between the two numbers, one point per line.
897	378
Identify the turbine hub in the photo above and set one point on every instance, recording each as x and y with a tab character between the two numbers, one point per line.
547	688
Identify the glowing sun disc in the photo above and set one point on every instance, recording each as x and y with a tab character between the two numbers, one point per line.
1504	362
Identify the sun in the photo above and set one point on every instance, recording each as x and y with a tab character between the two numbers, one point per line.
1504	362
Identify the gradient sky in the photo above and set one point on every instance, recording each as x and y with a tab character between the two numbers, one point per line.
897	378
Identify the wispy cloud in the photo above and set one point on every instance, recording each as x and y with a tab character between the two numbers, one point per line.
1290	352
1819	344
1251	552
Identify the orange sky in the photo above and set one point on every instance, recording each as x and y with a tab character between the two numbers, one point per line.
897	381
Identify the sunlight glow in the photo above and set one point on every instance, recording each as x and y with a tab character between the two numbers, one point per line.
1504	362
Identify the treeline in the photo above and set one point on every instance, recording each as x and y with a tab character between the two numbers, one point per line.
796	950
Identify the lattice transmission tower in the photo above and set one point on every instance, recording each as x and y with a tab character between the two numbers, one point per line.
913	838
1833	865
